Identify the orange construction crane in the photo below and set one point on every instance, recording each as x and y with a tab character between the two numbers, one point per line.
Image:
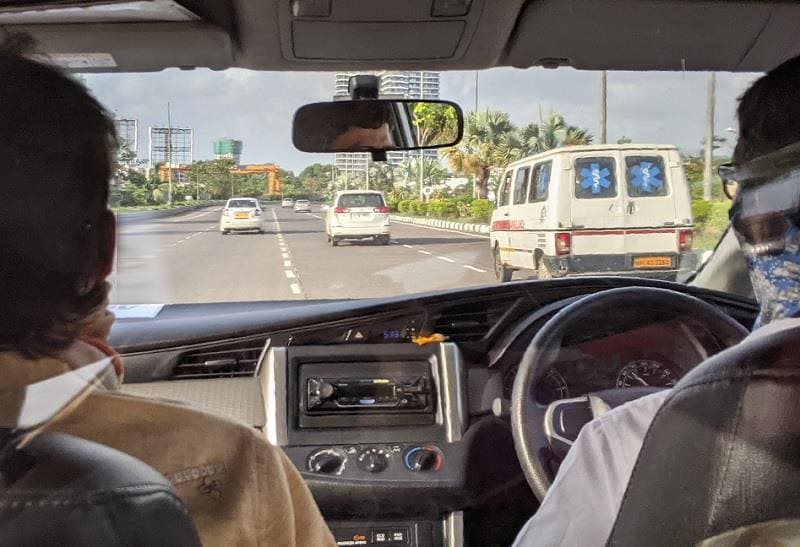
269	169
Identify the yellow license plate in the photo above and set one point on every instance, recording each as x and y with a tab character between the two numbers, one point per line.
652	262
242	215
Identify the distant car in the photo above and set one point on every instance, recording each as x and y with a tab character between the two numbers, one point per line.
241	214
302	206
358	214
287	202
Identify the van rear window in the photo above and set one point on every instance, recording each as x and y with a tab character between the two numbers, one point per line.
505	190
645	176
595	178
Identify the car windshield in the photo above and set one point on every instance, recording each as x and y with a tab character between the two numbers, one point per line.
539	187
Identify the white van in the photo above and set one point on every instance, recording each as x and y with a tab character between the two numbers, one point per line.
595	209
358	214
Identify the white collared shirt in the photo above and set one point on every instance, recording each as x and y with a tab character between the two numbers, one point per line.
582	504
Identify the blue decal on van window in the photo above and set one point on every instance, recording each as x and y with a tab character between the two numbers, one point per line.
645	177
595	178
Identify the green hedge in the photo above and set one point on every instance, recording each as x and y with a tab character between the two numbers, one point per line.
443	208
481	210
710	220
462	207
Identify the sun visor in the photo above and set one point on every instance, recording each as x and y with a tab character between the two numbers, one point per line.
132	47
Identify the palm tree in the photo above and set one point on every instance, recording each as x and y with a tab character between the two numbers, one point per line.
485	145
551	132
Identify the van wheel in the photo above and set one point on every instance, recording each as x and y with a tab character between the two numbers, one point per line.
501	271
334	242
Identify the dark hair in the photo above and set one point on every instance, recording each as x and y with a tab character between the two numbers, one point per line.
769	113
57	149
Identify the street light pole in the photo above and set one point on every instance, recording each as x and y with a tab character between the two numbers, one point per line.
169	158
709	148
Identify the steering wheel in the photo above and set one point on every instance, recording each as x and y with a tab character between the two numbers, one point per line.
544	434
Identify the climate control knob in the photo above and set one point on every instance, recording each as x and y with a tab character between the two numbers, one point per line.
423	458
330	461
373	460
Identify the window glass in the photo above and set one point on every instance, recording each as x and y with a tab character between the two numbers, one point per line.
645	176
505	189
521	185
595	178
361	200
239	203
540	181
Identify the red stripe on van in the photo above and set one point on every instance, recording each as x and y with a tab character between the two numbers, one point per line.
623	232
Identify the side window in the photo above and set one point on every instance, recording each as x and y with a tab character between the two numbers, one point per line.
505	189
595	178
521	185
540	182
645	176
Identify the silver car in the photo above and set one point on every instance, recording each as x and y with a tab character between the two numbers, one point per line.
302	206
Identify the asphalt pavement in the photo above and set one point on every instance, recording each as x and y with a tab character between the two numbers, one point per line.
185	259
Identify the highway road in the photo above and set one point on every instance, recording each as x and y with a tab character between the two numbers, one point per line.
185	259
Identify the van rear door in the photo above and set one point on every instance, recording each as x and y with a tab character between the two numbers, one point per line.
596	210
650	211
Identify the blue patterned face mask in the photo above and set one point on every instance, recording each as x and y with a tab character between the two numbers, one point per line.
776	280
766	217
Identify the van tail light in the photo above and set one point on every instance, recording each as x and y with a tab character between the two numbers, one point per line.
685	240
384	210
563	243
341	210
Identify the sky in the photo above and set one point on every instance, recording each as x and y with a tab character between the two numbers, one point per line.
257	107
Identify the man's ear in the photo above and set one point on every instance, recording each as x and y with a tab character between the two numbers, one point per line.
108	241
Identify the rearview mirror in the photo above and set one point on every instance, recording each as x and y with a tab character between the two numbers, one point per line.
377	125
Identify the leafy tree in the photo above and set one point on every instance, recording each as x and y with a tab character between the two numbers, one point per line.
213	177
552	132
316	178
434	123
624	140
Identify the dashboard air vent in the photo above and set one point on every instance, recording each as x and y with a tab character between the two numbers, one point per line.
230	361
471	322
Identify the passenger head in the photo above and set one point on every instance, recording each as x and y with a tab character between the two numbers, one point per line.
57	147
765	214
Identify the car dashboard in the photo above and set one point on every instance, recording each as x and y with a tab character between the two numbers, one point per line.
393	429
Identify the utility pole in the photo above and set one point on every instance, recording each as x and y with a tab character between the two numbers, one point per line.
367	179
603	105
476	91
420	178
169	157
709	145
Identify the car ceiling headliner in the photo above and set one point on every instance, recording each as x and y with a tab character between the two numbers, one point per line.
404	35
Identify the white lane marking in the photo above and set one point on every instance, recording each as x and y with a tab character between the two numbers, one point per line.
295	288
446	259
290	274
287	263
473	268
468	234
285	255
181	241
317	216
408	246
425	252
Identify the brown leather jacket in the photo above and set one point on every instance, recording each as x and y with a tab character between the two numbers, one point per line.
239	489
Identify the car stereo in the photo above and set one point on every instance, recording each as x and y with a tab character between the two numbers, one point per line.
332	394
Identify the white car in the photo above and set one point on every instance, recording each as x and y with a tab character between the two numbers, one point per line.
358	214
302	206
241	214
287	202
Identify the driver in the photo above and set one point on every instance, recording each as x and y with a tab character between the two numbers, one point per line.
582	504
57	249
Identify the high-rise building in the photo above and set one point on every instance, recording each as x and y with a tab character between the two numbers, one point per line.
225	148
395	85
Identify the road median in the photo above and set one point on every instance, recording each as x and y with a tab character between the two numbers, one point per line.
124	216
466	227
